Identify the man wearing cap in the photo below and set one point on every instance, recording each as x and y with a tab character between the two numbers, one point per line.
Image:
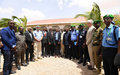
38	36
74	34
111	45
89	43
96	42
81	44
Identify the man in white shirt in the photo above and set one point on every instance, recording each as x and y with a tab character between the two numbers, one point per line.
38	36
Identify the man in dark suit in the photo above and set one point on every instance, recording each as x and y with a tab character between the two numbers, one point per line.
57	42
9	45
30	41
66	42
51	41
44	42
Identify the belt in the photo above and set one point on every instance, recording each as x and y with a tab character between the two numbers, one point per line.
96	44
73	40
109	48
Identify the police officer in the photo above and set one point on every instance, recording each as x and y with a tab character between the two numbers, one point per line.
73	34
97	40
110	42
83	52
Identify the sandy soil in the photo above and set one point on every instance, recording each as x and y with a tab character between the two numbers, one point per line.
54	66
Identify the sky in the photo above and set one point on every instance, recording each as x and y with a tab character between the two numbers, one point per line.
54	9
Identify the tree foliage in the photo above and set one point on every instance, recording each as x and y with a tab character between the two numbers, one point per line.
20	21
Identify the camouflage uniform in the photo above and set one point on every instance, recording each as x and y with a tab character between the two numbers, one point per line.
97	40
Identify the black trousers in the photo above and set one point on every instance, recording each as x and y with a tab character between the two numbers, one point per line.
80	53
108	61
51	50
85	54
57	48
66	51
29	50
74	51
44	49
8	59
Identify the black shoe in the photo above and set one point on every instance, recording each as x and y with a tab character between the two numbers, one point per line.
90	67
18	67
27	63
84	64
32	60
80	62
12	72
23	64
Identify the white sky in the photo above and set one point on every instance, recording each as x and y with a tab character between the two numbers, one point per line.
53	9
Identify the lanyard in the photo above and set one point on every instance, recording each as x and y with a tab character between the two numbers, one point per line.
108	33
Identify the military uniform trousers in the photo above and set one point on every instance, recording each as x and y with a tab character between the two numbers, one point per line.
19	57
97	59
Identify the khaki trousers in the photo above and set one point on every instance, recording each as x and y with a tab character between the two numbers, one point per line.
62	47
19	57
37	49
97	59
90	51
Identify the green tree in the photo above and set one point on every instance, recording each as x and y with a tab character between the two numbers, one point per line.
86	15
94	14
4	22
117	19
20	21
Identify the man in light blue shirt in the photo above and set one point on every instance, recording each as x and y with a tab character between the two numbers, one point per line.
38	36
110	42
74	50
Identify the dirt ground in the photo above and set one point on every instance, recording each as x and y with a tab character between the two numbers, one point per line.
53	66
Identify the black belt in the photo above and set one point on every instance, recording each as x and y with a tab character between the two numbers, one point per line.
109	48
73	40
96	44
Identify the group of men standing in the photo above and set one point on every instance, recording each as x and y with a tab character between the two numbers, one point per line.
92	44
95	45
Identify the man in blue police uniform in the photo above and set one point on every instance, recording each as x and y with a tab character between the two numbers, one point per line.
110	42
74	34
9	45
81	45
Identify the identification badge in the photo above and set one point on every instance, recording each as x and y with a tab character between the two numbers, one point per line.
109	39
75	43
80	36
